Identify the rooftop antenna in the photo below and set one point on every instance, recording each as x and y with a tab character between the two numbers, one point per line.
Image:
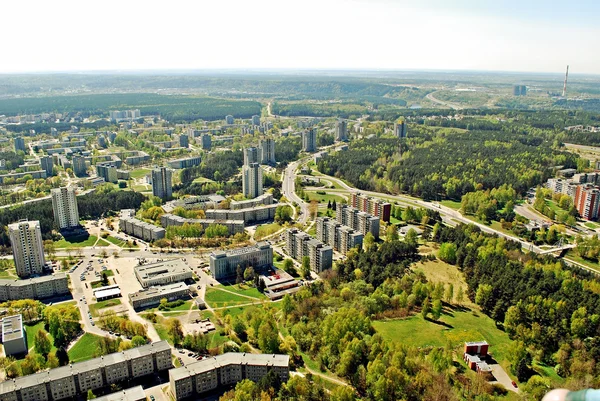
565	85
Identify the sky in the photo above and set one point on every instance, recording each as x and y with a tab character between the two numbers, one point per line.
495	35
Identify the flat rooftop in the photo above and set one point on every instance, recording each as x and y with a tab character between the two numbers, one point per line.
240	251
164	268
158	290
111	292
130	394
33	280
12	328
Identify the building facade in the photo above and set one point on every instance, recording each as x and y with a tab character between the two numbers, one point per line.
28	248
355	219
206	141
64	207
131	394
249	216
341	130
255	120
150	297
224	264
79	166
309	140
140	229
252	180
225	370
299	244
185	162
161	183
162	273
340	238
47	164
587	201
233	226
267	150
20	144
34	288
14	339
400	129
251	155
373	206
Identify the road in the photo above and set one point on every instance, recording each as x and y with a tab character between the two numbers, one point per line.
441	102
289	190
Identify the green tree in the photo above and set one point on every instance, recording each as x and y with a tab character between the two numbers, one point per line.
436	309
449	294
287	306
426	308
391	233
305	267
90	395
42	343
368	240
175	330
288	266
412	236
138	341
483	297
447	252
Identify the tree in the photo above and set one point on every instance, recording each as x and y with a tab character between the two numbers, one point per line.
305	267
288	266
104	278
334	205
239	275
42	343
449	294
313	208
62	356
412	236
483	297
368	241
249	273
90	395
391	233
425	309
287	306
138	341
447	252
436	309
460	295
175	330
268	337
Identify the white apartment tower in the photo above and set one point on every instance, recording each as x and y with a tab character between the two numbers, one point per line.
267	150
161	183
64	206
251	155
341	130
309	140
28	248
252	181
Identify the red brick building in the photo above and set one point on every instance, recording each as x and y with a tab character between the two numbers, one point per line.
375	207
587	201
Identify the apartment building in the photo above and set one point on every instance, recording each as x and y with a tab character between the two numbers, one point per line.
20	144
165	272
138	228
255	120
28	248
205	141
76	379
16	176
249	216
161	183
264	199
341	238
14	339
587	201
34	288
309	140
252	180
185	162
150	297
373	206
64	207
267	150
79	166
299	244
136	157
229	119
360	221
251	155
233	226
47	164
341	130
225	370
224	264
400	129
131	394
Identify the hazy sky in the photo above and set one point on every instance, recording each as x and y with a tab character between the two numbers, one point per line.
506	35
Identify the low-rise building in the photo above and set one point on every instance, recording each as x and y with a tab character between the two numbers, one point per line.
233	226
140	229
16	176
14	339
161	273
225	370
185	162
34	288
250	216
224	264
264	199
150	297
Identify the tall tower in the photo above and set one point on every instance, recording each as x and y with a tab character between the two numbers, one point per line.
64	206
341	132
565	84
251	155
27	246
267	150
309	140
161	183
252	182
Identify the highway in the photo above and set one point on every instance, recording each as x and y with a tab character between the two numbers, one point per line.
289	191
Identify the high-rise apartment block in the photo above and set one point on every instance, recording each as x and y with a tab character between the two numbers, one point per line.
587	201
19	144
376	207
299	244
28	248
206	141
400	129
229	119
161	183
64	206
251	155
341	238
309	140
341	130
252	180
79	166
255	120
267	150
355	219
47	164
14	339
224	264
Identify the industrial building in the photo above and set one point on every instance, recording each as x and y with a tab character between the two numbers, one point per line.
150	297
28	248
225	370
233	226
299	244
161	273
224	264
14	338
64	207
373	206
34	288
76	379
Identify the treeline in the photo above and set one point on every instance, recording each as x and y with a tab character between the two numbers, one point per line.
287	149
219	166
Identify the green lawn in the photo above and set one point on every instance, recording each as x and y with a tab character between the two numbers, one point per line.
394	220
10	274
461	327
142	188
85	348
183	307
451	204
31	330
571	254
313	195
201	180
217	298
138	173
95	308
266	229
591	225
122	244
244	289
76	242
557	210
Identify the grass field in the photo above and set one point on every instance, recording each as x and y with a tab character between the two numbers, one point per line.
76	242
266	229
31	330
201	180
571	254
441	272
313	195
10	274
122	244
95	308
217	298
451	204
591	225
183	307
142	188
243	289
85	348
457	327
138	173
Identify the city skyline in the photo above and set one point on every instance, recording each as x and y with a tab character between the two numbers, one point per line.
399	35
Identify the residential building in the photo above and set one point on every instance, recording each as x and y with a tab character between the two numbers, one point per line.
47	164
150	297
252	180
206	141
373	206
185	162
161	183
264	199
341	130
229	120
34	288
249	216
28	248
520	90
475	356
16	176
138	228
587	201
225	370
14	339
79	166
107	171
20	144
400	129
267	150
120	115
251	155
360	221
131	394
64	206
184	141
309	140
137	157
161	273
224	264
233	226
340	238
73	380
255	120
299	244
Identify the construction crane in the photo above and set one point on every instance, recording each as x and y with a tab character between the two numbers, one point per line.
565	85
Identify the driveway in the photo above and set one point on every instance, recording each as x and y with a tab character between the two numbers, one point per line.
502	378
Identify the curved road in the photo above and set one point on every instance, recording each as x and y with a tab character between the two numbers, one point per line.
442	103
